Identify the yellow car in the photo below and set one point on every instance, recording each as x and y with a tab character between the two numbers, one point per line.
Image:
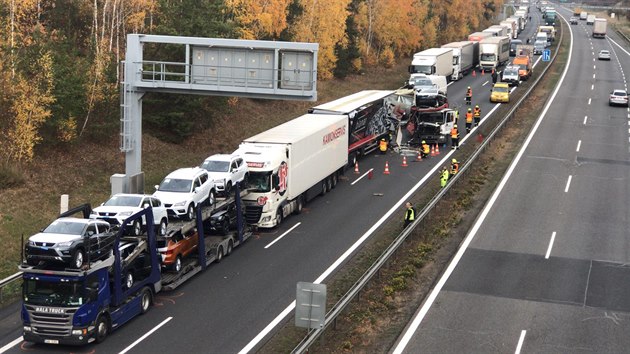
500	92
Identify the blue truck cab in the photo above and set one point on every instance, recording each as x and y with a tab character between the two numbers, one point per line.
76	307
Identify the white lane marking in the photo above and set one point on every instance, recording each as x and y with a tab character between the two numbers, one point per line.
585	118
145	335
363	175
484	84
553	237
566	189
417	320
284	234
592	87
521	339
594	67
593	76
617	44
11	345
589	101
578	146
450	83
593	60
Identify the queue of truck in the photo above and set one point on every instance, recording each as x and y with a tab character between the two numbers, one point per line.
487	50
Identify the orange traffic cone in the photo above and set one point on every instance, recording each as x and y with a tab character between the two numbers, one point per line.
437	149
474	74
493	70
433	150
404	164
482	72
356	167
386	172
419	158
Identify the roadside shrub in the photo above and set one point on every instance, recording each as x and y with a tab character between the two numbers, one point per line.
10	176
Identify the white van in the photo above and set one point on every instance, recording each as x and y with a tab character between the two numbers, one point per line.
542	37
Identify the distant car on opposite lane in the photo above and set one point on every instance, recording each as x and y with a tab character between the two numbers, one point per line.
603	55
618	98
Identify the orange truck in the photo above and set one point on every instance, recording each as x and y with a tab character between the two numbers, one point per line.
524	58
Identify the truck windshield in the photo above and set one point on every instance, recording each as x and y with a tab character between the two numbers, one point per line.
38	292
455	60
216	166
175	185
422	69
259	182
487	57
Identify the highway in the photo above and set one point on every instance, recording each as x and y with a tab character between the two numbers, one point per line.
234	305
544	269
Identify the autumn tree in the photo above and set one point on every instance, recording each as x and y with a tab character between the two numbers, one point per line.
31	99
322	22
258	19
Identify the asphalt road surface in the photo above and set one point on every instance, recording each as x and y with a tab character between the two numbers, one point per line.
546	265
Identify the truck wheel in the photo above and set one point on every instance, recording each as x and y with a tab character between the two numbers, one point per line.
136	228
219	254
145	301
102	329
299	205
329	183
324	190
177	266
353	160
78	258
335	179
229	248
278	217
162	228
190	213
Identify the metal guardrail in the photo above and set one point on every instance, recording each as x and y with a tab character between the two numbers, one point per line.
345	300
8	280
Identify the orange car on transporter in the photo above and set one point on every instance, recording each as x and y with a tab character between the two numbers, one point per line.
176	247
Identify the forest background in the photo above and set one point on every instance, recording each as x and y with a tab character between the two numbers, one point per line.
60	72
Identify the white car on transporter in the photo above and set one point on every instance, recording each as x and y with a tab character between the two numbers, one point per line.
121	206
184	189
226	171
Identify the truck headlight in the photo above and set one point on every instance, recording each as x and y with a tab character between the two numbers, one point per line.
179	204
266	219
27	329
79	332
125	213
64	244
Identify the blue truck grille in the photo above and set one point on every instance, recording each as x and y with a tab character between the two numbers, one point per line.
253	213
51	324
